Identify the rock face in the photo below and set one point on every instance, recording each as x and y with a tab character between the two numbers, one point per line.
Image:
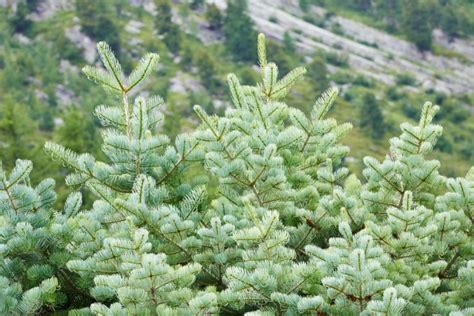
181	83
82	41
133	27
390	57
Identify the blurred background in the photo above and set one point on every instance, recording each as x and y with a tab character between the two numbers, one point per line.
387	57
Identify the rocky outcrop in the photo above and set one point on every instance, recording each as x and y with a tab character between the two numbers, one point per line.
82	41
369	51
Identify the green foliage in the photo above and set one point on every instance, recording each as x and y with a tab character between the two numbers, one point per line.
371	116
241	44
288	43
413	19
207	69
78	132
195	4
33	237
14	125
304	4
405	79
97	21
288	230
19	20
318	74
417	24
214	17
337	59
166	28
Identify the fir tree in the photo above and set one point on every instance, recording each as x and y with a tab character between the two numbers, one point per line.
371	116
78	132
318	74
214	17
288	231
272	177
242	43
141	193
33	236
417	24
165	27
97	22
15	140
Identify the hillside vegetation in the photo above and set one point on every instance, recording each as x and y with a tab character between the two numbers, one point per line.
161	158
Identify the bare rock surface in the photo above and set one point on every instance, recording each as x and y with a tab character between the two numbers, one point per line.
183	83
82	41
64	96
133	27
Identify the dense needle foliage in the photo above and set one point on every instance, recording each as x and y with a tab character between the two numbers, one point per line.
287	231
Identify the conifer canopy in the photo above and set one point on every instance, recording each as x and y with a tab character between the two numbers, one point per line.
287	230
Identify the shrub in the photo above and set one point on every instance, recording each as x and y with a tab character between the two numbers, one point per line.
337	59
371	117
409	110
363	81
214	17
393	94
406	79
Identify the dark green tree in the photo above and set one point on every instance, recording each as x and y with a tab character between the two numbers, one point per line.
15	136
165	27
450	21
282	56
318	74
391	11
371	117
78	132
19	20
304	4
96	18
288	43
240	35
196	4
417	23
214	17
207	69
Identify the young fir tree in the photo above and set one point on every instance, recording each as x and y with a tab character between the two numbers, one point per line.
280	182
165	26
415	240
33	273
242	43
371	116
214	17
288	231
146	213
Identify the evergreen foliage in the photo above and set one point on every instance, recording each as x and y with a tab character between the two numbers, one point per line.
288	230
318	74
214	17
33	239
14	129
96	17
417	23
414	19
242	43
371	116
165	27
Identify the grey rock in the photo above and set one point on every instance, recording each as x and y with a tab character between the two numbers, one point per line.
82	41
391	56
